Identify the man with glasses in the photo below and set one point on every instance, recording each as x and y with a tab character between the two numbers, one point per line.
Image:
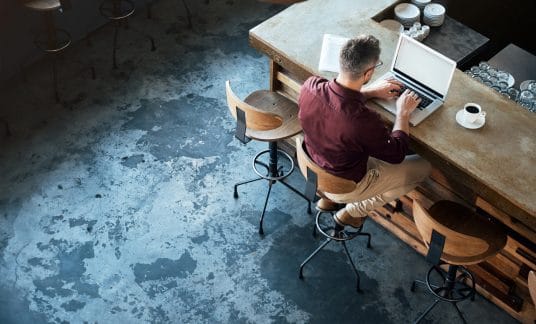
347	139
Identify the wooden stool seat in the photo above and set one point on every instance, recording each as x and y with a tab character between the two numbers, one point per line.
42	5
469	238
285	111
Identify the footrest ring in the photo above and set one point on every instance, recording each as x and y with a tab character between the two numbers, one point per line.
334	232
267	175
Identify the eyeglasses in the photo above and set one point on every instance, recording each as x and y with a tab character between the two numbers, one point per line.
380	63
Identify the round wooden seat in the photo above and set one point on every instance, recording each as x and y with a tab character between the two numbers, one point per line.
42	5
469	237
269	116
283	110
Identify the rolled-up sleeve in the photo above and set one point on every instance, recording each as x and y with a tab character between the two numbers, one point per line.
387	146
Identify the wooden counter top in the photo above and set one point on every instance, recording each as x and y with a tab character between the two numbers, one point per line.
498	161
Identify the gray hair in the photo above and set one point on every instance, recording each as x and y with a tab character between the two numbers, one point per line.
359	54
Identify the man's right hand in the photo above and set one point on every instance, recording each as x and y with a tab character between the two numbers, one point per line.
406	103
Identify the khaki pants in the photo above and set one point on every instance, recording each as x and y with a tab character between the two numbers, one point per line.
383	182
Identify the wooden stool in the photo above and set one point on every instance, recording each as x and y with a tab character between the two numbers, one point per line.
55	40
319	182
118	11
532	286
266	116
457	236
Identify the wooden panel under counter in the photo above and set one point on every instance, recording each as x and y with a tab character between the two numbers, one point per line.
490	170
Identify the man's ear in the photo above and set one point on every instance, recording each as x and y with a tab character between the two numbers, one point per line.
368	74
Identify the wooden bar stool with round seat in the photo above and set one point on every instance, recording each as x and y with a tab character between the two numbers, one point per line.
319	182
118	11
266	116
456	236
54	40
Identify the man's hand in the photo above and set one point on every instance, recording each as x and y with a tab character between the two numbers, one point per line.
384	89
407	103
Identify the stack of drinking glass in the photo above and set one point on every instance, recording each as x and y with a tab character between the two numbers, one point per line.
503	82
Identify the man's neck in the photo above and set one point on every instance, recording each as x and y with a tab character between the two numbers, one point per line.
346	82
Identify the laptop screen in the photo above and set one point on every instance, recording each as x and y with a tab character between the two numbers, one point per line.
423	65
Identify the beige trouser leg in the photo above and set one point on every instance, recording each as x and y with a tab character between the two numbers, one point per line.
384	182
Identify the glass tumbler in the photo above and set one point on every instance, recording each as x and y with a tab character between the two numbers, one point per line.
492	71
501	75
513	93
475	69
484	75
526	98
494	81
502	85
483	65
532	87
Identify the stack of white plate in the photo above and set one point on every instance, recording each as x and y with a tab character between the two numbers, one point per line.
434	15
421	3
407	14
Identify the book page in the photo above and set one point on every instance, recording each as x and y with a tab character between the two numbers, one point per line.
329	55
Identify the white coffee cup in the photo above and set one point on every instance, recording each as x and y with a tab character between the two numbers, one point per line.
472	112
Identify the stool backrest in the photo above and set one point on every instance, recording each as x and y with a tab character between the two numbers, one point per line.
532	286
459	248
327	182
256	119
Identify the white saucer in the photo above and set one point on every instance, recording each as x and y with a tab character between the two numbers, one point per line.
475	125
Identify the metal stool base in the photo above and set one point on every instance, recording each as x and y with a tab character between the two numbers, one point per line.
453	289
274	174
336	233
118	11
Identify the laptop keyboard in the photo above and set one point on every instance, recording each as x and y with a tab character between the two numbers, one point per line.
425	101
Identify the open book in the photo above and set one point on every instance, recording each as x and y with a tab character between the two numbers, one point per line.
329	55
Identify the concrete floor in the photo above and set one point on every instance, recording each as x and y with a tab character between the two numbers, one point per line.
116	205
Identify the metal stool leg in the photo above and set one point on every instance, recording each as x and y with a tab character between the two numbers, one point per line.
309	211
459	313
312	256
116	31
235	194
426	311
54	79
261	231
188	14
368	238
415	282
353	266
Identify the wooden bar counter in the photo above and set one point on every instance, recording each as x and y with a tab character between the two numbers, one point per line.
491	169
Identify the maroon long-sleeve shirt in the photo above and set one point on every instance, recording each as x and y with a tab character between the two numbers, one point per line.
340	132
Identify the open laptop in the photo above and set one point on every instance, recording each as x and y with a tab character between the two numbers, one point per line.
422	70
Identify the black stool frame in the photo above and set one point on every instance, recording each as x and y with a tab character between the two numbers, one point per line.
454	288
117	11
336	232
274	172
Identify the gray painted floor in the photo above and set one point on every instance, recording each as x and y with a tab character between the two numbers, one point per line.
116	206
